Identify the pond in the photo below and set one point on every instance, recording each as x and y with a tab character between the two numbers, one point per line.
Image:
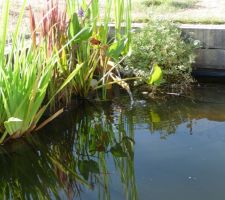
170	149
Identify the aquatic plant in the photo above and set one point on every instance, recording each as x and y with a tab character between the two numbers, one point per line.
53	29
93	49
25	75
70	57
91	46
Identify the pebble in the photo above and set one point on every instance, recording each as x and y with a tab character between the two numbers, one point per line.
144	93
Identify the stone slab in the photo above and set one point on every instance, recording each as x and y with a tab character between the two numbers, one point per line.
211	36
210	58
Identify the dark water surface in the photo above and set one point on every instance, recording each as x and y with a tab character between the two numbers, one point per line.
164	150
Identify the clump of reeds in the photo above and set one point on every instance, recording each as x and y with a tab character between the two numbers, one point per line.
70	55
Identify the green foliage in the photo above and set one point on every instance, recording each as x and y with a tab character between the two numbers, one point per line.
23	90
161	42
24	83
92	48
63	61
25	77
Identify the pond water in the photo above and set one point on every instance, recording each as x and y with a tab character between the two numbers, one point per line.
170	149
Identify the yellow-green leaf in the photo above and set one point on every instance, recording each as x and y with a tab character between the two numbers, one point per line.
156	76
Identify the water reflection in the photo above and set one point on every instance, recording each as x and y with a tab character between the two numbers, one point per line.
165	115
89	152
66	159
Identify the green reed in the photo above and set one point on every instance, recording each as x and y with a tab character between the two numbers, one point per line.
94	50
25	76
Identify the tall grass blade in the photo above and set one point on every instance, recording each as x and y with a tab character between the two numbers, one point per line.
3	31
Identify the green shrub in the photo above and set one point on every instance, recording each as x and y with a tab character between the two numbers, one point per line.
149	3
161	42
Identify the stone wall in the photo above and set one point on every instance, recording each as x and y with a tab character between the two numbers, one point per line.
212	53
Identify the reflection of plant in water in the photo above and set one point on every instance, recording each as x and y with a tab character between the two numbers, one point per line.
164	116
126	166
35	172
96	139
46	167
25	175
167	117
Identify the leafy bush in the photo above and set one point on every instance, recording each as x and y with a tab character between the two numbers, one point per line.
162	43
